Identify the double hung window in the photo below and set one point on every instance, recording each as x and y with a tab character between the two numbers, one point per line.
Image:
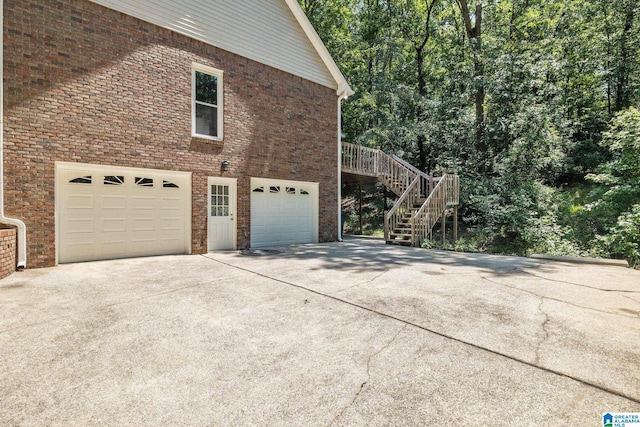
207	97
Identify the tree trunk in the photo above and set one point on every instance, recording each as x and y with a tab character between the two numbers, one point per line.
474	34
607	29
478	68
422	90
425	155
622	84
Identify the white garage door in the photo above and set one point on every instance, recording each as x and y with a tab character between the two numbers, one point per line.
105	212
283	212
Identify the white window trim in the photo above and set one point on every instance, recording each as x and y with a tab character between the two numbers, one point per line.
214	72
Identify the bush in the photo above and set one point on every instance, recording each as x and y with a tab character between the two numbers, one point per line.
625	237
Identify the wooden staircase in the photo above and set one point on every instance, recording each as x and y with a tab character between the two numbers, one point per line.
402	233
422	198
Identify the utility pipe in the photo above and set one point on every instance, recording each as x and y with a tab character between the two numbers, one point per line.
22	229
343	93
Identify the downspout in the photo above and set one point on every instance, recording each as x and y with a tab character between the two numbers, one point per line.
22	229
343	93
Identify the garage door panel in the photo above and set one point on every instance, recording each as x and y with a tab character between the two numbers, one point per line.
114	225
80	226
171	224
170	202
81	202
282	214
106	212
144	224
111	249
114	202
144	203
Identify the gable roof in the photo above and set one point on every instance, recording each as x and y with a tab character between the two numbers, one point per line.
276	33
343	85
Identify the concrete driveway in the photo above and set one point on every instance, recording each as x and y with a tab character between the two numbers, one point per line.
354	333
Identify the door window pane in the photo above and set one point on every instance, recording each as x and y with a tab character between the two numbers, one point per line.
219	203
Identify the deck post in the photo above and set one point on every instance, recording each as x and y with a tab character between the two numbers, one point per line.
360	203
384	192
413	233
386	228
444	227
455	224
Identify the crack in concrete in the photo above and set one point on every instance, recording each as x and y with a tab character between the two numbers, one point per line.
584	381
374	278
364	383
560	300
547	319
630	299
576	284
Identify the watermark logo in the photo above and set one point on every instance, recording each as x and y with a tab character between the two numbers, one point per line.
621	419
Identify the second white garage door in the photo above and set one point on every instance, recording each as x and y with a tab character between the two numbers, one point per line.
283	212
114	212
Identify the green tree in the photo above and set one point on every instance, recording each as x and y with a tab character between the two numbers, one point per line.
514	95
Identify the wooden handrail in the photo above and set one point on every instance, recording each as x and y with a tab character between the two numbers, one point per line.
406	195
446	193
393	174
426	182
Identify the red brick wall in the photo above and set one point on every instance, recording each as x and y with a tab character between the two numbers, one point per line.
7	252
87	84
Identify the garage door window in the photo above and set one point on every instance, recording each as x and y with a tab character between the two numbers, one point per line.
169	184
81	180
144	182
113	180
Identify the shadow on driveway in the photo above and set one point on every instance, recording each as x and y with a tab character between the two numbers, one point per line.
372	254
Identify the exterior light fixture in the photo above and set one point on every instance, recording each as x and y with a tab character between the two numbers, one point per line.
224	166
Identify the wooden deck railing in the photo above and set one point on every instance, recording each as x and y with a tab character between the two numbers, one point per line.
359	160
393	172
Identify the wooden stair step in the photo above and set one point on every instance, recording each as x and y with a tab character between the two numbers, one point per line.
402	226
402	236
398	242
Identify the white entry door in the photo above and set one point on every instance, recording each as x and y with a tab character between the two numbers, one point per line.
222	213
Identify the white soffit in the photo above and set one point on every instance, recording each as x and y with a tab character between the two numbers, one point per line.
273	32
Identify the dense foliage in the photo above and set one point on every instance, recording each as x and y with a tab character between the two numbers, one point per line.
530	101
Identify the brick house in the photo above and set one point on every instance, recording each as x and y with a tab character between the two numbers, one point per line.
147	127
